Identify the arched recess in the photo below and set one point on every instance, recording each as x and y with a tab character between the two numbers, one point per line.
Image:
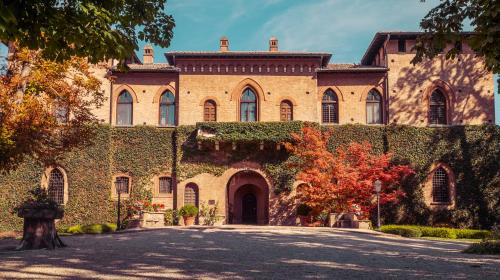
428	187
161	90
367	89
121	88
206	98
244	184
46	180
241	86
448	93
284	98
336	89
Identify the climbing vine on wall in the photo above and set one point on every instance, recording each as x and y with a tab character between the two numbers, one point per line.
473	152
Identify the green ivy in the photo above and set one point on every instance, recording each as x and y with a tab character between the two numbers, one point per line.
473	152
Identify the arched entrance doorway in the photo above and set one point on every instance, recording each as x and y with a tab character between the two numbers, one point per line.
247	199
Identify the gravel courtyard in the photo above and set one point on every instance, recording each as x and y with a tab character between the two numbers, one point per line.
247	253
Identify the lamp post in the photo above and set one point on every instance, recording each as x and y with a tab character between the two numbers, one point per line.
377	187
118	187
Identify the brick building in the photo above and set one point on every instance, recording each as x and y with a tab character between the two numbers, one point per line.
278	86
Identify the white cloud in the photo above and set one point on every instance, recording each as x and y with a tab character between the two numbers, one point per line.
340	25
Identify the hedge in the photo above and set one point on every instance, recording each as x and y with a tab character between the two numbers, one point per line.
441	232
473	152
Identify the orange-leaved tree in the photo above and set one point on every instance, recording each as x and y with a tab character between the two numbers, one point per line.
47	110
342	180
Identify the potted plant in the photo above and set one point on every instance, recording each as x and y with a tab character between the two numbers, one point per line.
303	211
188	213
39	212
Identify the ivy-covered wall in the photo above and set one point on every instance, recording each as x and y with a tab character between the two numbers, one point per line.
473	152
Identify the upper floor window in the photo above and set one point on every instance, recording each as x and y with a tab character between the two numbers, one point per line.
165	185
401	45
440	186
330	107
55	187
286	111
248	106
167	109
437	108
210	111
373	107
124	109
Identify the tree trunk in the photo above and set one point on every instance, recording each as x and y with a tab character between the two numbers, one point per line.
39	233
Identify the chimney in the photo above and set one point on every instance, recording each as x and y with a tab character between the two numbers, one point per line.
273	44
224	44
148	57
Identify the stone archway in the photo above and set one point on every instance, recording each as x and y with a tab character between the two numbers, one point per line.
247	199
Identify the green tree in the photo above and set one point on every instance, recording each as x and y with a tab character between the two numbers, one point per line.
444	24
94	29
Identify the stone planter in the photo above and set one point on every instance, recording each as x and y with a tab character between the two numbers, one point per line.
189	221
39	230
304	221
41	213
362	224
149	219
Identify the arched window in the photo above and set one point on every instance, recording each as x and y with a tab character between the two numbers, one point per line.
330	107
437	108
167	109
191	194
124	109
210	111
440	186
286	111
373	107
55	187
248	106
165	185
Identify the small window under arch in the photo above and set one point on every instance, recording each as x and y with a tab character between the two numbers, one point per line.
210	111
286	111
330	107
124	108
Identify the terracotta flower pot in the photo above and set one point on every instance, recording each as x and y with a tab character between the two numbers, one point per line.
188	221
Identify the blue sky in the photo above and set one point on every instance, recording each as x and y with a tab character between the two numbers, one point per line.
341	27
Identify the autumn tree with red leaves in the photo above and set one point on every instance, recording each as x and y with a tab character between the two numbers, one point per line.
342	181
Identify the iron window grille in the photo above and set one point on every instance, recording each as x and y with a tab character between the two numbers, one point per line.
440	186
56	186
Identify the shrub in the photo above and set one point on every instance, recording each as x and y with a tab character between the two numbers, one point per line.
438	232
77	229
472	233
487	247
171	217
91	229
188	211
405	231
303	210
209	214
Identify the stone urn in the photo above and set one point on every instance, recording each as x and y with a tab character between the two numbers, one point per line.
39	230
189	221
151	219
